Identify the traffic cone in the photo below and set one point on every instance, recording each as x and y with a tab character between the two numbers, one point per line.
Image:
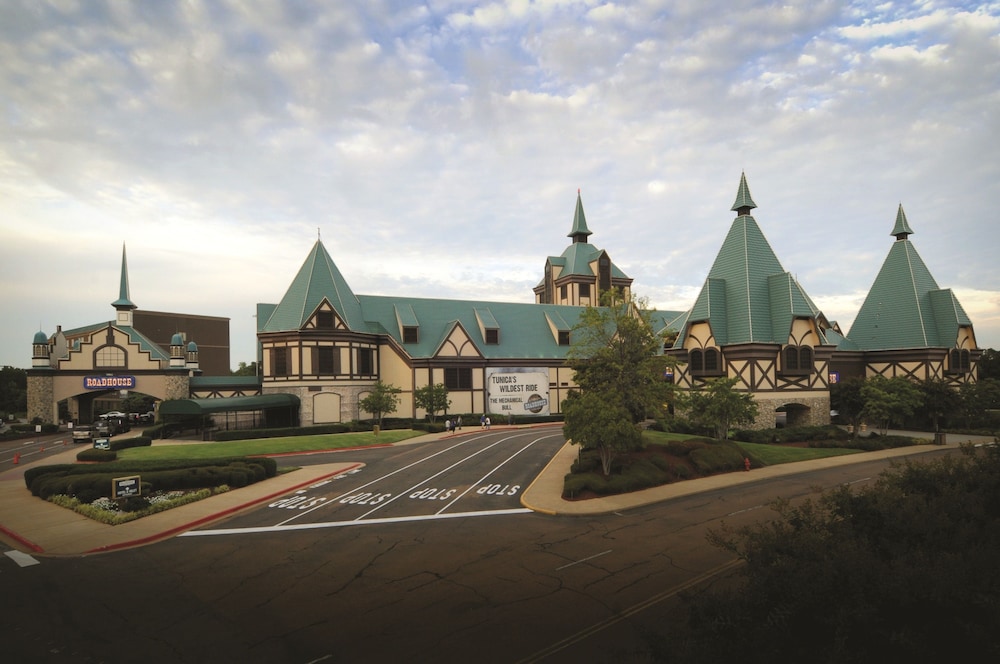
41	449
17	457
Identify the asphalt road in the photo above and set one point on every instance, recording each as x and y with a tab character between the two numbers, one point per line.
420	575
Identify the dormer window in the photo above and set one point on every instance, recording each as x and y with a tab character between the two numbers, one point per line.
959	361
492	336
797	360
410	335
705	362
324	320
563	337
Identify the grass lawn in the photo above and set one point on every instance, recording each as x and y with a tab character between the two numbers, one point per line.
770	455
773	455
286	445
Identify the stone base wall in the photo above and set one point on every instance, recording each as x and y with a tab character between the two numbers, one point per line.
350	396
803	410
41	399
178	386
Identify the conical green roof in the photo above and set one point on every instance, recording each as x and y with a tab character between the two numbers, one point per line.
743	199
902	227
748	297
904	307
123	301
579	231
317	279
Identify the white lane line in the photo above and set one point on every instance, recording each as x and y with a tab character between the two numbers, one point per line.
749	509
437	474
334	501
22	559
340	524
577	562
484	477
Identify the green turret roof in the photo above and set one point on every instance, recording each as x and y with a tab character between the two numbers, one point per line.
123	301
748	297
743	199
902	228
579	231
318	278
905	308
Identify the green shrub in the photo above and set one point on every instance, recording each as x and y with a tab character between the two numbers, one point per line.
131	504
127	443
721	457
93	454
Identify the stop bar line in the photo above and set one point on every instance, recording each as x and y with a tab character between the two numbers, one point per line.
338	524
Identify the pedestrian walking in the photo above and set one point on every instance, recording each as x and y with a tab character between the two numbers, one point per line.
487	423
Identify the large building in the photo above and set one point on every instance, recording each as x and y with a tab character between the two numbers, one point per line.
323	346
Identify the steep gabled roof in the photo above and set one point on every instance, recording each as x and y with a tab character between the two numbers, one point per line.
318	278
747	296
905	308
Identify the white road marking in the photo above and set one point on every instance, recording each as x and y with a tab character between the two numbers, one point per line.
483	478
339	524
22	559
335	500
577	562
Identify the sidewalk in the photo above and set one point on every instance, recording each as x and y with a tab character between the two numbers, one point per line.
38	527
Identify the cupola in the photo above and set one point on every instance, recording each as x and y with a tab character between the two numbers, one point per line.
40	351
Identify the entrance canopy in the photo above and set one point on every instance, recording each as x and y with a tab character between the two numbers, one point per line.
262	411
228	405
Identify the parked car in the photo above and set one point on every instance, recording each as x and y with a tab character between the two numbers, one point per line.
114	414
83	433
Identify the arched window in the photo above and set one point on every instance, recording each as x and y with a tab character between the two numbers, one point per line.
959	361
707	362
797	360
110	357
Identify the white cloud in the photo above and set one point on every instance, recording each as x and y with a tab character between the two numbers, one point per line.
439	147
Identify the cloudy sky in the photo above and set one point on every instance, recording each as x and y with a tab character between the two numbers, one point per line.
437	147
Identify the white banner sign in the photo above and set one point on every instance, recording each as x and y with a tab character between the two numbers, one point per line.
517	391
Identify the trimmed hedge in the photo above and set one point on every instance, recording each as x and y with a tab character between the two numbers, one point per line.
92	481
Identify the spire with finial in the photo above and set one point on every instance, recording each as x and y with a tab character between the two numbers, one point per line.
580	231
743	203
902	228
123	301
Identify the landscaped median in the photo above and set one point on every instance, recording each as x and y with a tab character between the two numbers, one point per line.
171	475
673	457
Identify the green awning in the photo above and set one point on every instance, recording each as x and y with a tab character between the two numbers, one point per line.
227	405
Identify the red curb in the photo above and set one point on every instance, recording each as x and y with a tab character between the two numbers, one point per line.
207	519
26	542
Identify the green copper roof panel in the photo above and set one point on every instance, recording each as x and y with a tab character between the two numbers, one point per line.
902	227
405	316
579	220
743	199
897	313
318	278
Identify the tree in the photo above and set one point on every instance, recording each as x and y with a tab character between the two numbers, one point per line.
979	398
432	398
246	369
617	353
382	399
596	423
939	400
719	406
988	365
901	570
846	399
889	401
13	390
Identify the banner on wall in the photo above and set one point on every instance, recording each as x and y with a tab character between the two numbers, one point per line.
517	391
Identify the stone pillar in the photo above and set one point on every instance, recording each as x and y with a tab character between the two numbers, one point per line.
41	398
